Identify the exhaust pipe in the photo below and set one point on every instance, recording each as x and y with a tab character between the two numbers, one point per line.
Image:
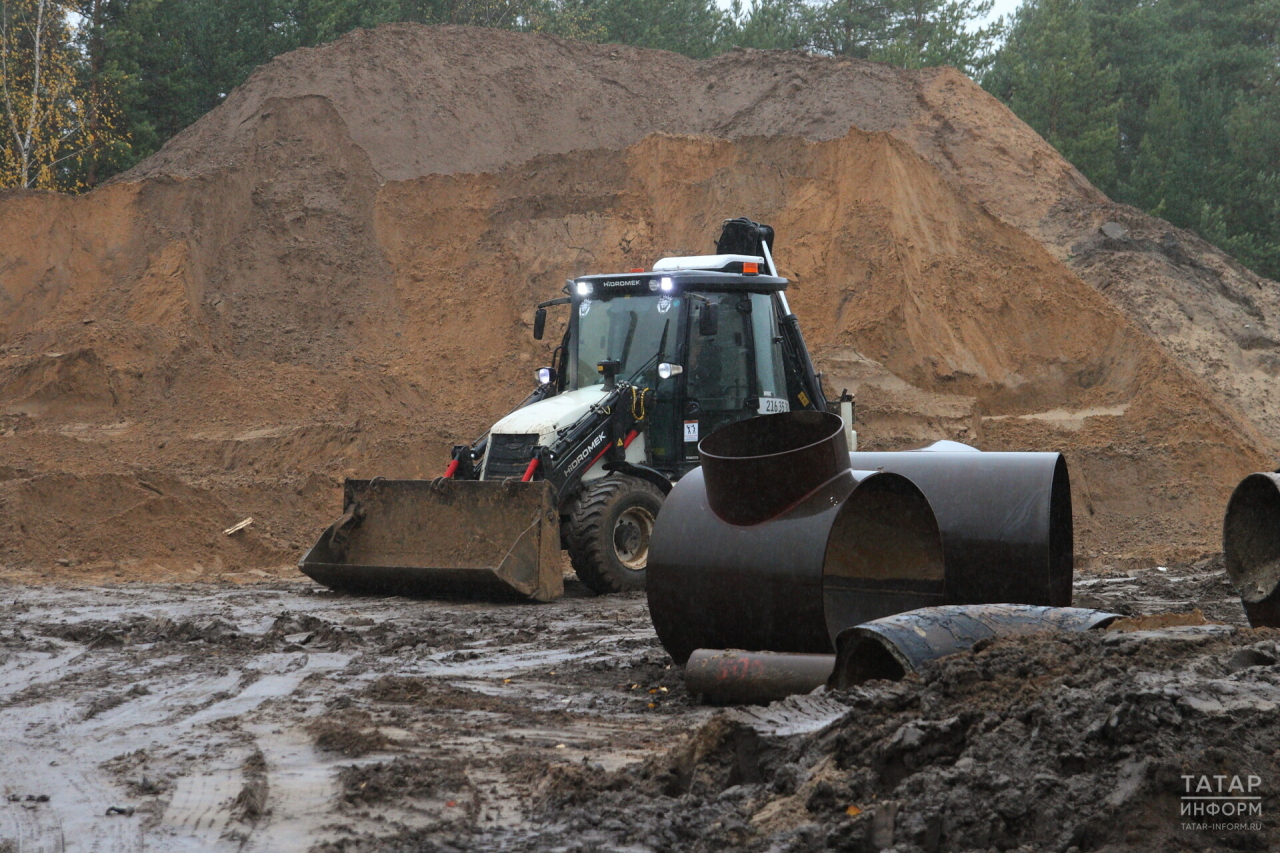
1251	547
783	539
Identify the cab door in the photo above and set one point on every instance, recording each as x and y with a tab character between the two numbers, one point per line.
719	378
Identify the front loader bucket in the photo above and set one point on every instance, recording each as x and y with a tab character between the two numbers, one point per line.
442	537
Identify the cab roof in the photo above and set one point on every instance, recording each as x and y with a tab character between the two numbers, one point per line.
702	272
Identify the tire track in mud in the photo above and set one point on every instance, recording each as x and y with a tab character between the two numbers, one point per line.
155	700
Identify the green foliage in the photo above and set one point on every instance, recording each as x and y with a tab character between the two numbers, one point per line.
1051	75
51	122
906	33
774	24
696	28
154	67
924	33
1170	105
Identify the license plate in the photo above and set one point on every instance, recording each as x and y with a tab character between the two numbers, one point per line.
773	405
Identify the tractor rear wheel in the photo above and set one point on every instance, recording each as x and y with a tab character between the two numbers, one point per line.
609	531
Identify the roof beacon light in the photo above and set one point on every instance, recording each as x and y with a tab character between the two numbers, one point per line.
667	284
584	288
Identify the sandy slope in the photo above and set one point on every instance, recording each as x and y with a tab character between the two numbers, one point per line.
332	274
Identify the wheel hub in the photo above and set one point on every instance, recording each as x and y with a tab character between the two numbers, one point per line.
631	535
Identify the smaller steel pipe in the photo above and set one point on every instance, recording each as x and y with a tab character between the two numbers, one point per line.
734	677
758	468
895	646
1251	547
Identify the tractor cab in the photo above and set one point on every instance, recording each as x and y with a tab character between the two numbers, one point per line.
703	333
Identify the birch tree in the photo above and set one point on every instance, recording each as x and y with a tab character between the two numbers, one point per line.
42	113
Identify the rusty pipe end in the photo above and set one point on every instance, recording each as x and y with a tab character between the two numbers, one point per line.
757	468
736	677
1251	547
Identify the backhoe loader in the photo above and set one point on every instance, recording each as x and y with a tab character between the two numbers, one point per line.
650	362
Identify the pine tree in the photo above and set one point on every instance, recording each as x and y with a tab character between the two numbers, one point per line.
925	33
1051	75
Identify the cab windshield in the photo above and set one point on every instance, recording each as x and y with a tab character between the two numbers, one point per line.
634	330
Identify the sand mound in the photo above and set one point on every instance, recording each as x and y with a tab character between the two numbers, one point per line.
333	274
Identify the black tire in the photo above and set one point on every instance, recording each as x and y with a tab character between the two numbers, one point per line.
609	529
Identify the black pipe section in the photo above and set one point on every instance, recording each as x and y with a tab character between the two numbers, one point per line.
1251	547
760	467
735	677
895	646
776	545
823	544
1005	520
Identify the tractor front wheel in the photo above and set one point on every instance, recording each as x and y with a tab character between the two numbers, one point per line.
609	531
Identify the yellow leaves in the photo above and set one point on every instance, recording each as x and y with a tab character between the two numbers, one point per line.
51	119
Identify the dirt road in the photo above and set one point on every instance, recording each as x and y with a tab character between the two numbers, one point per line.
282	717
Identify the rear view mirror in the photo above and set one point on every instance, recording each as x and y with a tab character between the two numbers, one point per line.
539	323
708	322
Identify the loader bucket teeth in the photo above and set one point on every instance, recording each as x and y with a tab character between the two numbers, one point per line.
495	539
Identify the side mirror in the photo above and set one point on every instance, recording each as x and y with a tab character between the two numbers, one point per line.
708	321
539	323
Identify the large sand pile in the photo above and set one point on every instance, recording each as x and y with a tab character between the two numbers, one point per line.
333	274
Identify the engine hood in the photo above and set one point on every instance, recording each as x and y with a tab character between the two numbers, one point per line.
546	416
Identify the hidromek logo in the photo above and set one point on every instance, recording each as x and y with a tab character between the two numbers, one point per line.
587	451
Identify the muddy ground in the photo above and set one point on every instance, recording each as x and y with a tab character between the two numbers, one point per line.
282	717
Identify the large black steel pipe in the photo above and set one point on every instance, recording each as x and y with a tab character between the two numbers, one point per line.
763	585
1005	520
776	545
895	646
1251	547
